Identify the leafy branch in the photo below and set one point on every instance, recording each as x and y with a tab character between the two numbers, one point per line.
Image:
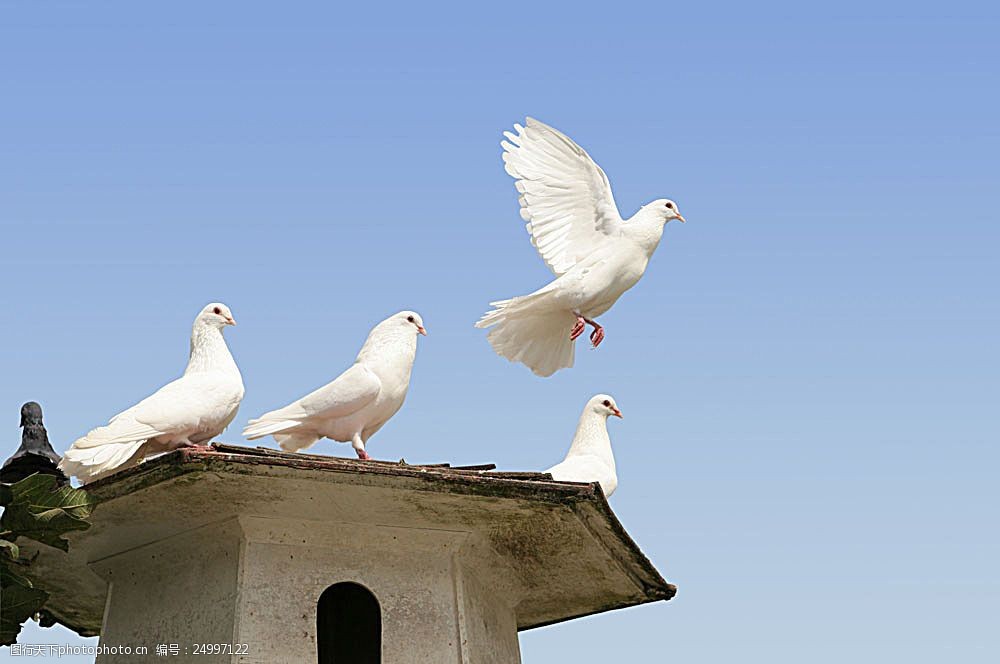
36	508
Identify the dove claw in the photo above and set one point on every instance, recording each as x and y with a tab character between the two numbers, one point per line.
597	336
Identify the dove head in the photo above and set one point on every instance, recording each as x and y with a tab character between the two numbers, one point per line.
411	320
646	226
395	335
665	209
604	405
215	315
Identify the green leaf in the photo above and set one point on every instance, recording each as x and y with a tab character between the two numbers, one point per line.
41	510
18	602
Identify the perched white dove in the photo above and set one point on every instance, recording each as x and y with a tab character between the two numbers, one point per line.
575	226
589	458
359	401
185	413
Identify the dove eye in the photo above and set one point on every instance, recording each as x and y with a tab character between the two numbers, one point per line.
409	318
217	311
607	404
670	206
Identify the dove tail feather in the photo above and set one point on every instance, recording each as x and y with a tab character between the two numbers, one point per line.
94	462
293	442
260	427
538	340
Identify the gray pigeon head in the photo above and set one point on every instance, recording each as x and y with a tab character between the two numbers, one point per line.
31	414
35	455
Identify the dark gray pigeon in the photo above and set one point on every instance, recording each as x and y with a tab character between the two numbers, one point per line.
35	455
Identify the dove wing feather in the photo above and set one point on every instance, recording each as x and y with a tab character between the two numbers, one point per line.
585	468
177	406
565	196
352	390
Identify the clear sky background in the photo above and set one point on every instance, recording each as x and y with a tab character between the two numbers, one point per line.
806	370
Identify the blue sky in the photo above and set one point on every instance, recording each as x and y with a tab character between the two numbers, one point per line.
806	369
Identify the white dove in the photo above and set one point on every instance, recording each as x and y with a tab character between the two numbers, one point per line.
589	458
185	413
359	401
575	226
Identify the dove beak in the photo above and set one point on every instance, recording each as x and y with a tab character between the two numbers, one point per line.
618	413
421	330
680	218
230	320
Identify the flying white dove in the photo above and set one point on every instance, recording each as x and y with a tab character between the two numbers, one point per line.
359	401
185	413
575	226
589	458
